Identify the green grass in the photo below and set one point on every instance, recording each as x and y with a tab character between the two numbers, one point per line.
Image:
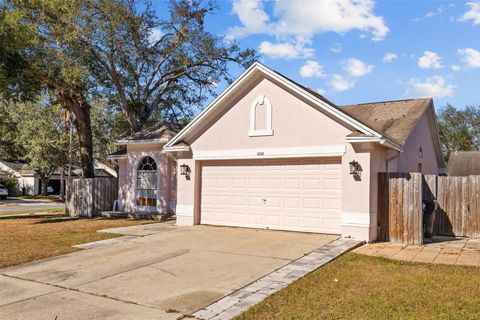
362	287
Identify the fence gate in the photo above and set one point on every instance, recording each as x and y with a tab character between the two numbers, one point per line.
400	214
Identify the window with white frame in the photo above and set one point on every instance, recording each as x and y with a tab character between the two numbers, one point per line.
147	182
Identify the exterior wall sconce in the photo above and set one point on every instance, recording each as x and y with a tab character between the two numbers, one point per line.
355	167
184	169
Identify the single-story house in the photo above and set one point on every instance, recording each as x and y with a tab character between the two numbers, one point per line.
464	163
29	182
269	153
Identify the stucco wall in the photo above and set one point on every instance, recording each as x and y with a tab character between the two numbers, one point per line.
294	123
421	137
166	184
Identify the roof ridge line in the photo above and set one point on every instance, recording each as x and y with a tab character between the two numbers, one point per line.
384	102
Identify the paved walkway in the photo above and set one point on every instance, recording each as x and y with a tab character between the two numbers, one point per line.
460	251
244	298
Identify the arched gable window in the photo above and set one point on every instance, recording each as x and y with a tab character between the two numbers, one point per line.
261	101
147	182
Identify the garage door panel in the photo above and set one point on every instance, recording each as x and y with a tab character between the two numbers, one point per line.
300	195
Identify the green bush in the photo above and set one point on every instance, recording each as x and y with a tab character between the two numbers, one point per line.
11	185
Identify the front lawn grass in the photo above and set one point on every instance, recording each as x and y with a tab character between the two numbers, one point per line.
361	287
28	239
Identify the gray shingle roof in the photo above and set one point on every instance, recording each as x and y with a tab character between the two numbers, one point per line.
393	119
160	130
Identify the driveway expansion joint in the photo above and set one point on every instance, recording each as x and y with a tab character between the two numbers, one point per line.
74	290
241	300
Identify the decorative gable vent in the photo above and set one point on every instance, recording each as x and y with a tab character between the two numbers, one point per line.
264	105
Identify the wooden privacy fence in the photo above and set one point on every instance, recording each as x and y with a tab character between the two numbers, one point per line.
89	197
400	216
400	198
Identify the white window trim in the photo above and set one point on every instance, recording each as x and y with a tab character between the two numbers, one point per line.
261	100
136	206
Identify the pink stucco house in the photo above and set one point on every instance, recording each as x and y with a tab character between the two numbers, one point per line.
269	153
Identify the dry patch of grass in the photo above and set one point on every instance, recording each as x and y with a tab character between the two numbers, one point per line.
362	287
27	239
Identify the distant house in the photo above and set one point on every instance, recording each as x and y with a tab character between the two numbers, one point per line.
464	163
29	182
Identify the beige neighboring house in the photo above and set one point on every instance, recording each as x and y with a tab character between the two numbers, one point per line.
269	153
29	182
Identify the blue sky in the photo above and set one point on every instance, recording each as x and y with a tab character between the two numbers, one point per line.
361	51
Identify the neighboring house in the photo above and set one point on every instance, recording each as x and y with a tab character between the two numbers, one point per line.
29	182
464	163
146	175
270	153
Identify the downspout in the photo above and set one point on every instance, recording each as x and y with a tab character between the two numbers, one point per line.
390	159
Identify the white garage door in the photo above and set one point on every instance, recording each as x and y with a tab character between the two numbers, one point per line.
297	195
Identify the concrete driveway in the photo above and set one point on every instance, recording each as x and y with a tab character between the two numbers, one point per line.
156	271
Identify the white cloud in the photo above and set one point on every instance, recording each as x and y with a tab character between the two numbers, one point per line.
311	69
252	16
470	56
285	50
357	68
430	60
302	19
321	91
473	13
456	67
435	86
389	57
155	35
339	83
336	47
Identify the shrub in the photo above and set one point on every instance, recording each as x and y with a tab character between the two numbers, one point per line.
11	185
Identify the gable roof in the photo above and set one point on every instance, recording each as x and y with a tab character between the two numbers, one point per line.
389	123
393	119
316	99
18	166
464	163
160	132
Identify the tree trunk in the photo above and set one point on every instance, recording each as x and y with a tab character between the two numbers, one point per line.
85	137
44	185
81	109
62	184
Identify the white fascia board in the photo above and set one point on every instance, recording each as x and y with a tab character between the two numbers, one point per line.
331	109
176	149
259	153
380	140
284	81
211	106
146	141
123	156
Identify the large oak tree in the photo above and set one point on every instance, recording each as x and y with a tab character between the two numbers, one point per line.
117	49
